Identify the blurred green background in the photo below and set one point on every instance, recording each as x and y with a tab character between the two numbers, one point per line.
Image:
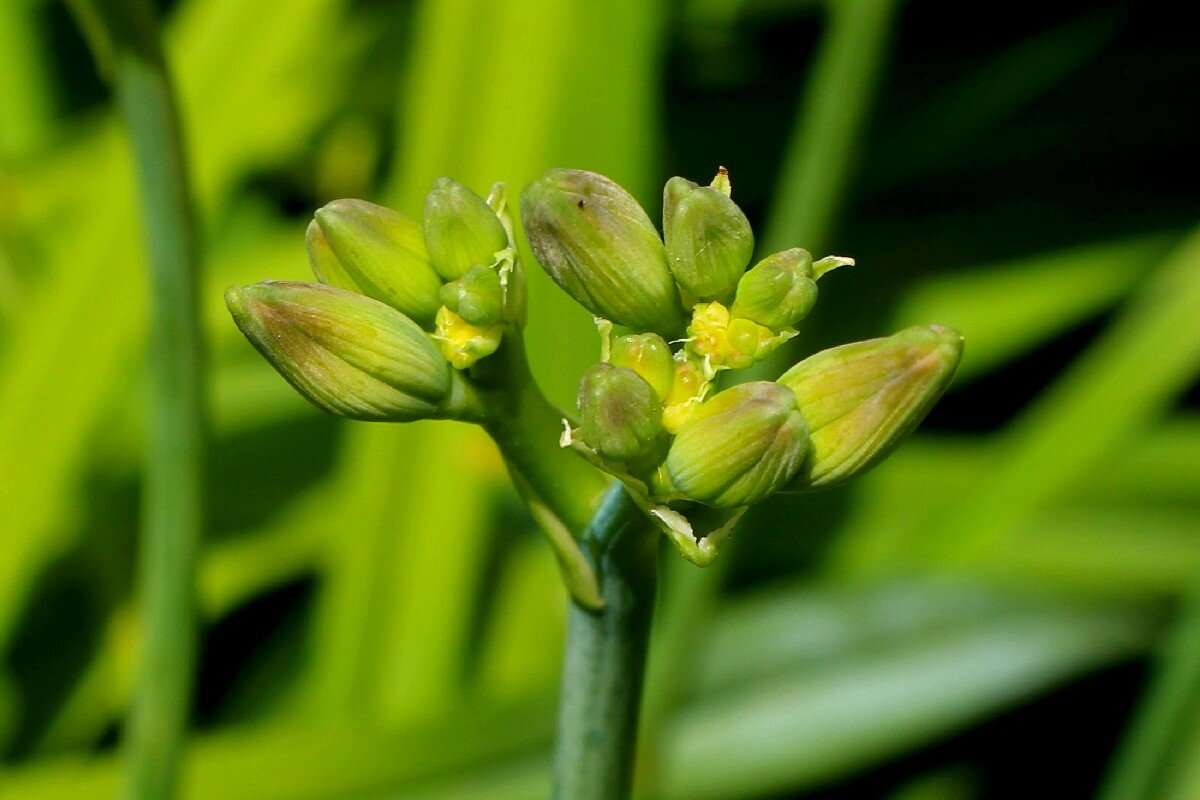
1010	606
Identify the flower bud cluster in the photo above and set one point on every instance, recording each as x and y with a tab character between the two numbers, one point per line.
649	412
403	308
398	303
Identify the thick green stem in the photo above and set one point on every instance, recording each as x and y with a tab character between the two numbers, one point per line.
606	657
526	427
176	431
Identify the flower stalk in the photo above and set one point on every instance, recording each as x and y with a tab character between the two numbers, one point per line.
126	40
605	661
424	321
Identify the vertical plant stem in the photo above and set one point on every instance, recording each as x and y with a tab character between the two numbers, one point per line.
526	427
176	431
606	657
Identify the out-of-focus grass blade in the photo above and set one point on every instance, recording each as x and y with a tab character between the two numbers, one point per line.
1141	542
432	570
1158	757
724	14
523	780
100	695
770	712
794	629
24	86
809	729
230	573
954	783
90	306
521	653
1009	309
814	179
1105	399
994	92
308	761
1122	552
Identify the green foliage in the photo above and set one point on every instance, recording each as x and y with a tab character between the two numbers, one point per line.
405	622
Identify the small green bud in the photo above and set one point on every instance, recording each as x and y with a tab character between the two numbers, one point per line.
621	416
778	291
709	241
597	243
348	354
461	229
739	446
375	251
648	355
861	399
477	297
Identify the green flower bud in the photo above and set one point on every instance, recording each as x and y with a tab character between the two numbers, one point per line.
348	354
709	241
597	243
739	447
461	229
621	416
648	355
861	399
372	250
325	265
778	291
477	297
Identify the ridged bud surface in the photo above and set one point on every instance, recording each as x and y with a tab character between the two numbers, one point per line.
597	243
739	446
348	354
862	399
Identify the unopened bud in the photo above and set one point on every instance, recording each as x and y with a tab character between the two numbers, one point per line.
708	238
461	229
739	446
348	354
462	343
648	355
597	243
621	416
477	297
377	252
778	291
862	399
